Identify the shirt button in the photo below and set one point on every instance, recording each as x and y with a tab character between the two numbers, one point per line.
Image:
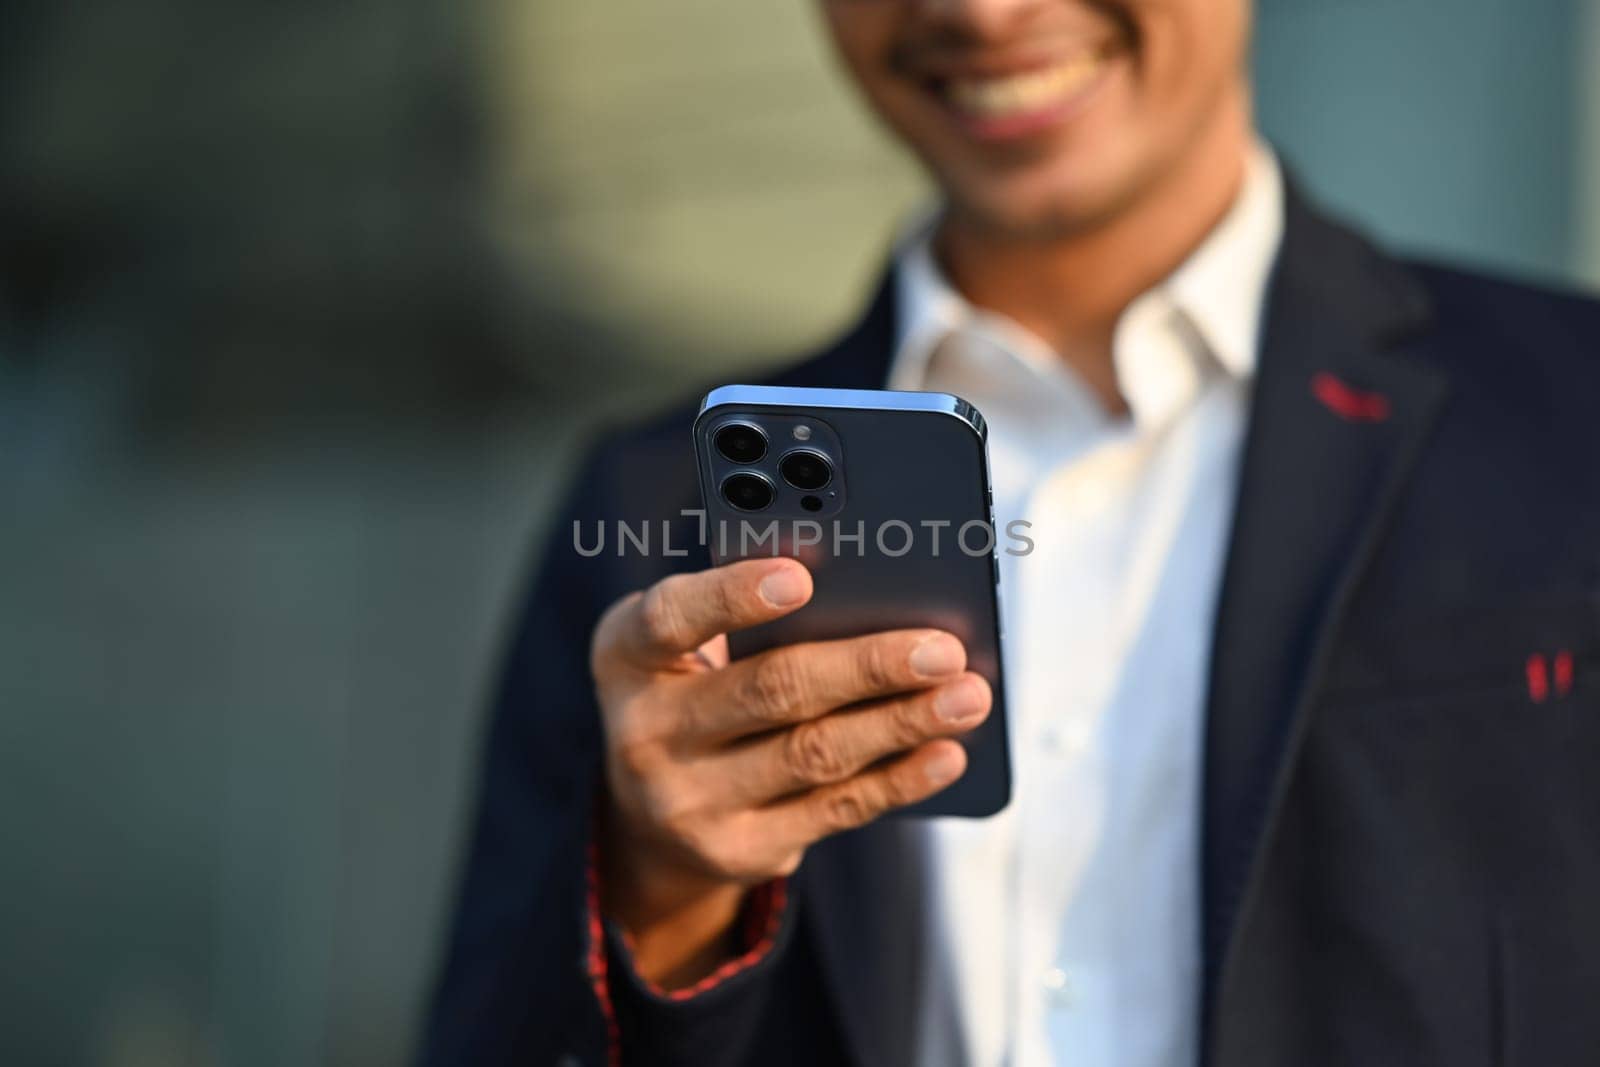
1057	987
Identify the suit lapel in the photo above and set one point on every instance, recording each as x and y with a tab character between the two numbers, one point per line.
1339	415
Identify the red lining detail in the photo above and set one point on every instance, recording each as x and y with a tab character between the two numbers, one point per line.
763	914
1350	404
599	979
1538	678
1563	672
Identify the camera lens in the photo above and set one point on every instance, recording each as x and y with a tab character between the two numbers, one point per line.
807	471
739	442
747	492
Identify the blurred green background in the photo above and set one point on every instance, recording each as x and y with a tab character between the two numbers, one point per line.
303	311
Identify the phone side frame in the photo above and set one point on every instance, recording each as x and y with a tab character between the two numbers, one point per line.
860	399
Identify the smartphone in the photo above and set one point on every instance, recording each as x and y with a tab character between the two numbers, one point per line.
885	496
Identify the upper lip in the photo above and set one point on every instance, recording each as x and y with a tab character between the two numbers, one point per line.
977	66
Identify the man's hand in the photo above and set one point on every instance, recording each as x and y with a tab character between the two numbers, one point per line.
721	775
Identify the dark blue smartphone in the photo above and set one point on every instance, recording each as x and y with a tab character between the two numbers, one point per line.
885	496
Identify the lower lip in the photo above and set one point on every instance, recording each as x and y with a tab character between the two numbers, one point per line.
1025	124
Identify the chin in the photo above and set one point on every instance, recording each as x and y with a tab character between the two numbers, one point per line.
1065	198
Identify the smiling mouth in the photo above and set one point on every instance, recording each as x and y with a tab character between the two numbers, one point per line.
1002	105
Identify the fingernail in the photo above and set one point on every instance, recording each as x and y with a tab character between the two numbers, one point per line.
947	766
954	703
783	588
938	655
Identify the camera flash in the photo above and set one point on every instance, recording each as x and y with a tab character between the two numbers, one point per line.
802	433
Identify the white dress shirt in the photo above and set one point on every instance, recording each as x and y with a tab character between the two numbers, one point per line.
1067	928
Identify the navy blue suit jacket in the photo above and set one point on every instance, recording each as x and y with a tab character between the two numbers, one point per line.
1401	824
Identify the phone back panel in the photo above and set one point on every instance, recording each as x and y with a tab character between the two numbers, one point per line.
903	535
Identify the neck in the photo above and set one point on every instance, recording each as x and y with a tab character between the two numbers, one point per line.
1070	288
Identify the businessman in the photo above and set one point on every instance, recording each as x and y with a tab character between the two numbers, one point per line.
1304	670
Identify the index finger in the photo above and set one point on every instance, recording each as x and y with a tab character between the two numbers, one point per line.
680	613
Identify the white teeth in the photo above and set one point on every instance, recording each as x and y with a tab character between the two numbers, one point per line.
1022	93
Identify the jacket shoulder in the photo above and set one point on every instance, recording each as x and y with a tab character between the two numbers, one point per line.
1453	280
1541	325
1522	361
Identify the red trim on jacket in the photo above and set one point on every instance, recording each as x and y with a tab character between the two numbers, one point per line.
1348	402
1563	670
762	915
763	912
1538	678
599	978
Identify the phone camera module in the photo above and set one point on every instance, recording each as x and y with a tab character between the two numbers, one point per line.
806	470
748	492
739	442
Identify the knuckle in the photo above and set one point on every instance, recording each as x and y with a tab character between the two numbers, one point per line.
773	684
911	721
877	666
902	785
844	810
724	595
812	755
603	641
659	617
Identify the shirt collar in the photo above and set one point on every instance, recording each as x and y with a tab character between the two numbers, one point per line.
1222	286
1220	289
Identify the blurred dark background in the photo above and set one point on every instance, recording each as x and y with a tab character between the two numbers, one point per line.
303	312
